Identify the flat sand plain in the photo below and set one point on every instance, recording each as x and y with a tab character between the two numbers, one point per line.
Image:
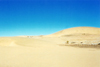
45	52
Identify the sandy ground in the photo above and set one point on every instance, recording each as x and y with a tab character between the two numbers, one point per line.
41	52
50	50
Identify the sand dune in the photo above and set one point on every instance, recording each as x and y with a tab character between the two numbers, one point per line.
76	30
6	41
20	41
50	50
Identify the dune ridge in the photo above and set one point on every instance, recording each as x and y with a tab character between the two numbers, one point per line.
76	30
20	41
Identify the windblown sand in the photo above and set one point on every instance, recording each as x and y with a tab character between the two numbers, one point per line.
46	52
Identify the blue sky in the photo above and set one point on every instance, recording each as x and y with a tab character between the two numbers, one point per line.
46	17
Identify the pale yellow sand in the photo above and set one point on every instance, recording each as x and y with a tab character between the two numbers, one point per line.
76	30
58	56
47	52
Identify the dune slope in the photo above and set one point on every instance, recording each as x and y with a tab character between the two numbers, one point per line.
20	41
76	30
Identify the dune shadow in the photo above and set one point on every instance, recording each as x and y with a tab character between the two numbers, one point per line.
82	46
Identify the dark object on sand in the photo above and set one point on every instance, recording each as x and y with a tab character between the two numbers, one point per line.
98	43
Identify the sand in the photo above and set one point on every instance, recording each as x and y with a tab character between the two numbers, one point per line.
76	30
46	51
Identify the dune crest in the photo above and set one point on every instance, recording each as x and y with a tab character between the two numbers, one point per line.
76	30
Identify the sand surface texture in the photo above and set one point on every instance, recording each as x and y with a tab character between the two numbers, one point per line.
50	50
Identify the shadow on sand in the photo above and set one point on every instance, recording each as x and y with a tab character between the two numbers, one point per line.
82	46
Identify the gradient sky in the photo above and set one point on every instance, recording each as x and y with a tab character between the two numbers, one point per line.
46	17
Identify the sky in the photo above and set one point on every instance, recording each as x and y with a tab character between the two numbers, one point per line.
43	17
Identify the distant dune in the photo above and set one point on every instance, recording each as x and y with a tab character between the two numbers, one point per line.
76	30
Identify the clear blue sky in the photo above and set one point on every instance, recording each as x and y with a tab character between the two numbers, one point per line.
46	17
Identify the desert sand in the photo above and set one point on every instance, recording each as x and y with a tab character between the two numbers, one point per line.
51	50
